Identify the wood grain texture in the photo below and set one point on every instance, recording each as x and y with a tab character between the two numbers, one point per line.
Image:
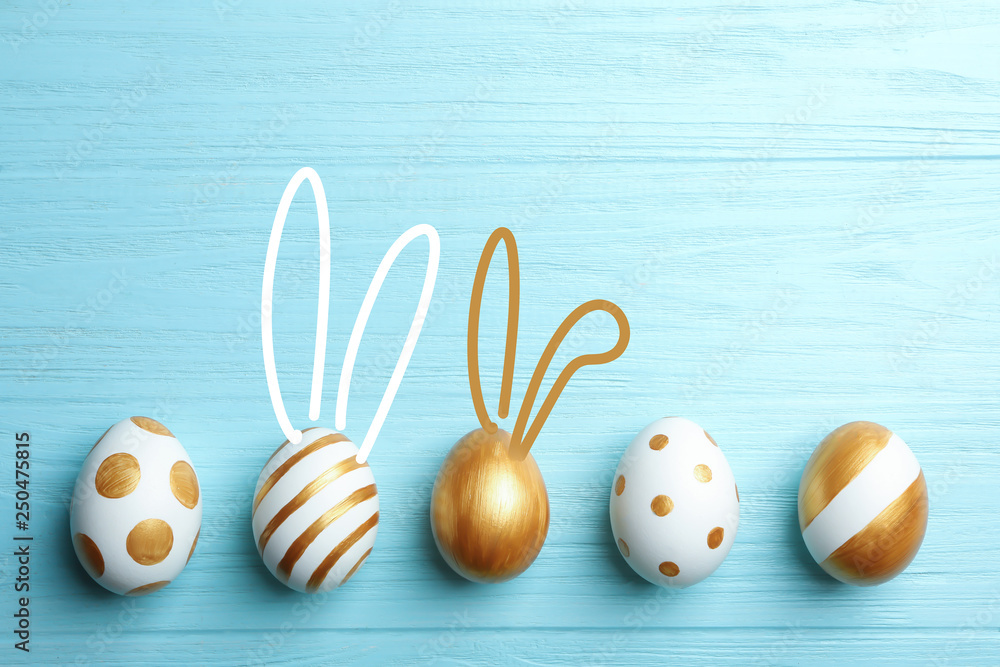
794	203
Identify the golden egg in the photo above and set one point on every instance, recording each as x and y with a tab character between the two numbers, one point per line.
489	513
863	504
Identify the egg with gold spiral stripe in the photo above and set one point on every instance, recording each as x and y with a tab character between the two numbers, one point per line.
315	512
135	515
863	504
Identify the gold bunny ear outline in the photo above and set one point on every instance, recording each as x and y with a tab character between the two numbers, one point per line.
475	306
521	443
519	446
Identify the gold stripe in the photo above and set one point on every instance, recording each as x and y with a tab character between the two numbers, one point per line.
302	542
282	445
884	547
331	558
841	456
320	443
312	488
356	566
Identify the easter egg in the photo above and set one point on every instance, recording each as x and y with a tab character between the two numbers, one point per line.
489	513
674	504
315	512
135	514
863	504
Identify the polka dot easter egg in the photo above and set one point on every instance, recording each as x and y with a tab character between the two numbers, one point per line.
674	504
135	515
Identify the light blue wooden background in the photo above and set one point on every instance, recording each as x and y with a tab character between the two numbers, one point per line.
795	203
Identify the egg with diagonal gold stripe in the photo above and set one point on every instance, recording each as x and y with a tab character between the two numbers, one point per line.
315	512
863	504
136	508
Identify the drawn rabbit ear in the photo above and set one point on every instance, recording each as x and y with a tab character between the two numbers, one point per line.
475	306
322	312
520	443
411	338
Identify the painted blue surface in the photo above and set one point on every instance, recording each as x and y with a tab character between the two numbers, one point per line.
794	203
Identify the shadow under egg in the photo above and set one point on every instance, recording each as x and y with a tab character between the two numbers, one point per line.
256	565
798	545
67	560
801	554
626	575
448	576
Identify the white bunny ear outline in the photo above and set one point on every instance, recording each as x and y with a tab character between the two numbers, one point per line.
295	436
409	344
322	311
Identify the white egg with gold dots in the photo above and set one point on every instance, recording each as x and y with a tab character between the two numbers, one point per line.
135	514
674	504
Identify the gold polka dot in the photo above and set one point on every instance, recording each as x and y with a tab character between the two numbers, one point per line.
117	476
151	425
89	555
658	442
148	588
620	485
702	473
149	542
715	537
669	568
710	438
184	484
623	547
737	492
662	505
193	545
